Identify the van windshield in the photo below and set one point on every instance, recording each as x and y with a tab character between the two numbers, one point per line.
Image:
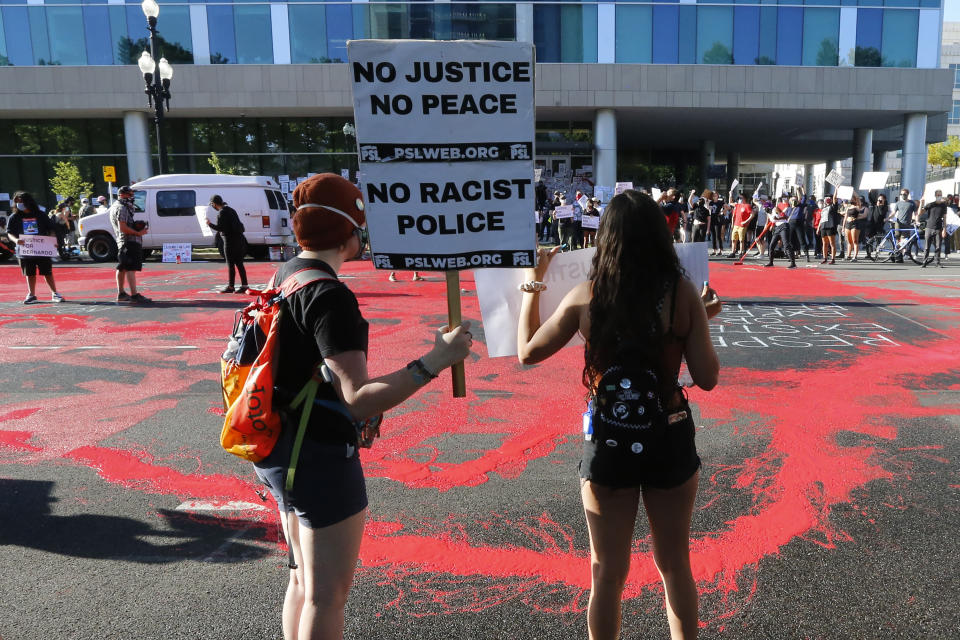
140	201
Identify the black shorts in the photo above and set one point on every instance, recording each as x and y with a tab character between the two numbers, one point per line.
828	233
130	257
328	485
615	468
33	266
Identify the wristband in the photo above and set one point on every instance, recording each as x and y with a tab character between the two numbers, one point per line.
420	373
532	286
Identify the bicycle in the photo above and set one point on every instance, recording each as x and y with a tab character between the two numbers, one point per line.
886	247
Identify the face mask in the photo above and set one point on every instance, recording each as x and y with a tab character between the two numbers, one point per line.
21	206
903	197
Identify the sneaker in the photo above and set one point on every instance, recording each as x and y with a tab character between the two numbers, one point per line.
393	277
139	298
30	299
769	264
56	297
417	277
123	296
833	262
854	260
242	288
793	265
227	289
927	261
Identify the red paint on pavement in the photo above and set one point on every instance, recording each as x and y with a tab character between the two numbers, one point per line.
17	440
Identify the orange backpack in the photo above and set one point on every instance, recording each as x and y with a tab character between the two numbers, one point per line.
251	426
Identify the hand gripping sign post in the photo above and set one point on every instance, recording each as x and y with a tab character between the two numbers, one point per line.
445	134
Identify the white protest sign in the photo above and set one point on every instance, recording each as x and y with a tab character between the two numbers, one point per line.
37	247
834	178
874	179
756	193
445	133
563	211
590	222
604	193
952	222
176	252
204	213
620	187
500	300
583	201
655	193
734	185
283	178
4	197
537	174
845	192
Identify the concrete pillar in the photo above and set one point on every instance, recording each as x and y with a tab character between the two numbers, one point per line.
913	174
707	151
605	147
862	155
879	160
524	22
136	133
733	169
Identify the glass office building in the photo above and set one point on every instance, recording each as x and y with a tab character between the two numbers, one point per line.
51	37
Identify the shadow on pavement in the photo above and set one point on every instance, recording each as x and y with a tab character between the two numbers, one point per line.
190	536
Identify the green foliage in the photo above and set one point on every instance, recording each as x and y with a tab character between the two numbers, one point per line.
718	54
941	154
829	53
68	182
218	165
128	51
867	57
764	60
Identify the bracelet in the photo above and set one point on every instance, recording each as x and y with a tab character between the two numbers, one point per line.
532	286
420	373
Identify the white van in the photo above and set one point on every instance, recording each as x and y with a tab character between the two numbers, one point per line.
174	206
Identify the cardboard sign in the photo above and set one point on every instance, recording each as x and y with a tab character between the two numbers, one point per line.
177	251
655	193
952	222
583	202
874	180
537	175
563	211
604	193
590	222
500	300
204	213
845	192
37	247
620	187
734	185
345	174
445	132
834	178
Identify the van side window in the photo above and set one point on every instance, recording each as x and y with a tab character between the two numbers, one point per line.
281	201
271	199
176	203
140	201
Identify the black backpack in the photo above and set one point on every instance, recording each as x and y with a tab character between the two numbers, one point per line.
628	418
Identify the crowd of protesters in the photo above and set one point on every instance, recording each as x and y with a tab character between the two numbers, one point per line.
792	226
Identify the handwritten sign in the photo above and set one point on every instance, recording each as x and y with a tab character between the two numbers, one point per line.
500	300
590	222
563	211
620	187
845	192
177	251
874	179
835	178
37	247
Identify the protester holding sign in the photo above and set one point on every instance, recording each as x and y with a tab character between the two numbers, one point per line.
639	313
323	326
231	230
27	222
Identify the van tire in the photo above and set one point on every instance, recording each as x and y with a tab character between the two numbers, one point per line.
102	248
258	252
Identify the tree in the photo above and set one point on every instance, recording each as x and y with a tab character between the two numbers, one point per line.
68	182
941	154
829	53
219	167
718	54
867	57
128	50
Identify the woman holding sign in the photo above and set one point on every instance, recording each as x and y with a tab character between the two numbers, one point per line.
26	223
640	316
324	512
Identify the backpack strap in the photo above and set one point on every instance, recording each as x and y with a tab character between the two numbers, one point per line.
299	279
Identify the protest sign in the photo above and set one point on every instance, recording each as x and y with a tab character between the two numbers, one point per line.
590	222
445	132
952	222
537	175
4	197
845	192
283	178
620	187
734	185
204	213
37	247
583	201
834	178
563	211
345	174
655	193
176	252
874	179
604	193
500	300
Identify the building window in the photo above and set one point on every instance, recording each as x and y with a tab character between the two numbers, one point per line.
954	116
714	35
956	75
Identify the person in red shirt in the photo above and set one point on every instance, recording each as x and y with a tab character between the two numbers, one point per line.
743	216
671	210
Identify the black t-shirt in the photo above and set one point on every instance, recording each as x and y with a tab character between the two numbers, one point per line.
321	320
701	214
228	223
936	211
31	224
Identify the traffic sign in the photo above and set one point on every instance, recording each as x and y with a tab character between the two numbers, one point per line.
109	174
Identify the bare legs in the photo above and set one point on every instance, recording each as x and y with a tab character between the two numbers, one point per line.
32	284
131	279
610	518
318	589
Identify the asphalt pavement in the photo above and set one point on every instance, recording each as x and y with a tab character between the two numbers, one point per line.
828	505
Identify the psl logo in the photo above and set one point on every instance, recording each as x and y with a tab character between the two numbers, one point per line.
519	152
368	152
382	262
521	259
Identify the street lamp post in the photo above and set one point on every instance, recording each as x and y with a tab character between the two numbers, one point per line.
156	77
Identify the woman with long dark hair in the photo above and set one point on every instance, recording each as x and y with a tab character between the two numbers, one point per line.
636	309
